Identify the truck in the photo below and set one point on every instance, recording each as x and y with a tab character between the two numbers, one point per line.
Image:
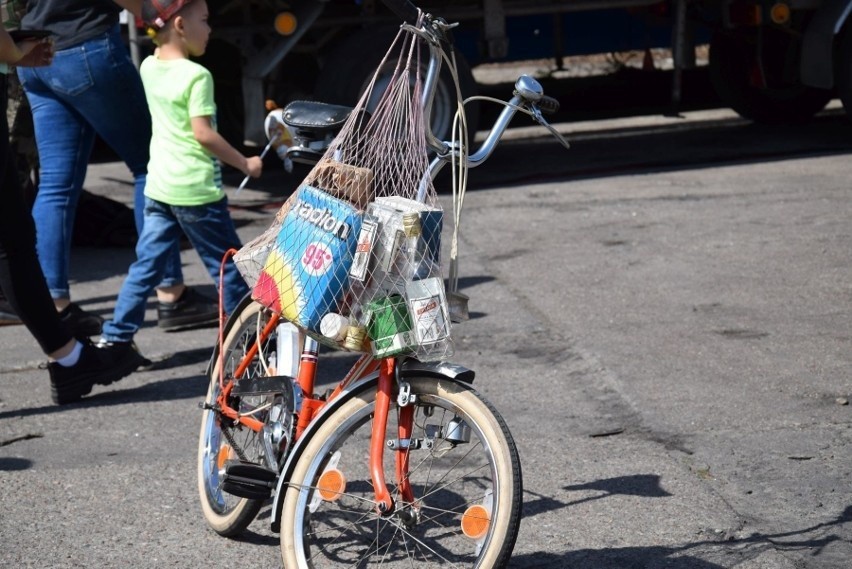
772	61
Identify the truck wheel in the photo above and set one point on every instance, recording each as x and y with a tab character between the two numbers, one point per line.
761	81
348	69
843	72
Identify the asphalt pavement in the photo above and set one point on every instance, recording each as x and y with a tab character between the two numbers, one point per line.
661	315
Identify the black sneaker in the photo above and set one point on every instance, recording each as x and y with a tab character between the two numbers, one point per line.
79	322
192	310
96	366
7	315
144	363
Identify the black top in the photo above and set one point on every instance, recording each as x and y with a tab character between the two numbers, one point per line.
71	21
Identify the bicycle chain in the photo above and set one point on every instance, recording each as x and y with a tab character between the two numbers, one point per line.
226	430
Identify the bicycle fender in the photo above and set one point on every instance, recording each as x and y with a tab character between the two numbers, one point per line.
410	368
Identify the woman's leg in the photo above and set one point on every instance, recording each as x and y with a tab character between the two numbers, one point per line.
21	277
64	142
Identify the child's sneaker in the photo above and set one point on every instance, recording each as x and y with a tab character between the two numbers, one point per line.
96	366
190	311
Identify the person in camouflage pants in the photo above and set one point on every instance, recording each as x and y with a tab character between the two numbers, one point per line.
21	135
22	138
18	115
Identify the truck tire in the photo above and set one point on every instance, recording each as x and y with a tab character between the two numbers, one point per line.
348	69
782	99
843	71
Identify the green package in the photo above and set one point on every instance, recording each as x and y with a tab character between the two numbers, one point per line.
389	327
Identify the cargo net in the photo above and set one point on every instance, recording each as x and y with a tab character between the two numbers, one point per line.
353	256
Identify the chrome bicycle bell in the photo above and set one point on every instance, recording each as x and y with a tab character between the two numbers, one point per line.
529	88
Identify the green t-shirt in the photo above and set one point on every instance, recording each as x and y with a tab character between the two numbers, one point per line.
181	171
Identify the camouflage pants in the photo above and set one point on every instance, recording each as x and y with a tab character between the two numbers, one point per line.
22	137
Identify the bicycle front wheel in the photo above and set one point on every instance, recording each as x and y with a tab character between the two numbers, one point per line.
464	472
226	514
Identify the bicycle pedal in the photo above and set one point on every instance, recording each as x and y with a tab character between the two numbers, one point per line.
248	480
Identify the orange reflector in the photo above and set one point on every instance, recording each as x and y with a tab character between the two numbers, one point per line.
475	521
331	485
285	23
224	454
780	13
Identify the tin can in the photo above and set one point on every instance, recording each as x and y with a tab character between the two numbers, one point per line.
355	336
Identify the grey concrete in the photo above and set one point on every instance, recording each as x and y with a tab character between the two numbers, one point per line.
661	315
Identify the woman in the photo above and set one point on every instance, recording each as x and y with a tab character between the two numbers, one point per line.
75	366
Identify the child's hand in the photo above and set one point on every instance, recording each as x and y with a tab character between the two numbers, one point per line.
254	166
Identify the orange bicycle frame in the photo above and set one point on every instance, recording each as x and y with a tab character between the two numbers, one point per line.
311	405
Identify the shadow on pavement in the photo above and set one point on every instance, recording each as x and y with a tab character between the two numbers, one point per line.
187	387
648	485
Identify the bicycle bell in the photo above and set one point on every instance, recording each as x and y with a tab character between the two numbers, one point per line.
528	88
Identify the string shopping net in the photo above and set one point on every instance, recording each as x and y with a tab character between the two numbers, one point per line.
353	256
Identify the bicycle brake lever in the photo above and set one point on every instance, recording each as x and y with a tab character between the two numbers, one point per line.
537	117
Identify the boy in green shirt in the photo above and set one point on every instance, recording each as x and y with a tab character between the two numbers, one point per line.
184	186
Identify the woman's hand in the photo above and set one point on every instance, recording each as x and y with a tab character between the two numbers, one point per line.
37	53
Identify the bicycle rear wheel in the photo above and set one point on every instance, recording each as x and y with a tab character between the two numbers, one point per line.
464	472
226	514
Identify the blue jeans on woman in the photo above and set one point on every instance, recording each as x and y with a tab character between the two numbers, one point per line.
211	231
91	88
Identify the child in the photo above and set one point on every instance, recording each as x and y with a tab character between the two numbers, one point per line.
184	186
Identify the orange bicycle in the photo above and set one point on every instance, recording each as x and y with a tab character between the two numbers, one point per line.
402	462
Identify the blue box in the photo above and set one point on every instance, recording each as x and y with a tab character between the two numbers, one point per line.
306	274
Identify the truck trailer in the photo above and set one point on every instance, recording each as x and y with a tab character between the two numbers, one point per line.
772	61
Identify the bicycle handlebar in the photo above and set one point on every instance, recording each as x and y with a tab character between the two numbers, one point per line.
406	11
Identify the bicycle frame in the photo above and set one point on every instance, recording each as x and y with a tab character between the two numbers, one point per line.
527	93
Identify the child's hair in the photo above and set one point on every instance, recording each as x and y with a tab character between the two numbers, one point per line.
157	13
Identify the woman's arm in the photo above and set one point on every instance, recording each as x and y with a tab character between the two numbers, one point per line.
28	53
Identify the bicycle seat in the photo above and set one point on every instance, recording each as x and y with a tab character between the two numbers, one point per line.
313	118
313	125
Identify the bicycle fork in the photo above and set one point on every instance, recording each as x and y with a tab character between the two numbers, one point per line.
384	501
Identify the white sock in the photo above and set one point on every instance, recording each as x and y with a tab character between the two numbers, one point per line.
72	358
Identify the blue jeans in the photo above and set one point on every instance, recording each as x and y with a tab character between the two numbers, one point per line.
90	88
210	230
